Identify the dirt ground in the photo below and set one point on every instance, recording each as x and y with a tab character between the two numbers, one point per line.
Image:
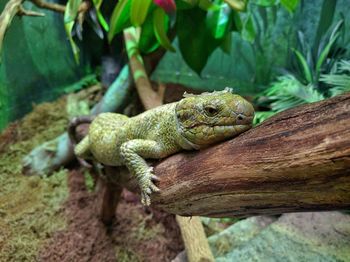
138	234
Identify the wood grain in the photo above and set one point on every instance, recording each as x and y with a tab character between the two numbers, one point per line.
299	160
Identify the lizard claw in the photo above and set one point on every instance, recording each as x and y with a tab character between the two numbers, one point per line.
145	199
147	186
154	188
155	178
148	191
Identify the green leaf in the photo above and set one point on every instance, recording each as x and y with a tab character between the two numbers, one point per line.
218	20
290	5
304	65
248	32
195	40
75	49
288	92
160	26
227	43
139	10
97	4
344	65
71	11
102	21
185	4
339	79
261	116
70	15
237	21
324	54
148	41
207	5
265	3
104	24
189	2
120	18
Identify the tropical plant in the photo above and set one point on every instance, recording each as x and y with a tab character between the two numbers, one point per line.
308	63
338	79
286	92
207	23
316	72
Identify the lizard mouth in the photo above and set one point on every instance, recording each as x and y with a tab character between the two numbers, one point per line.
240	121
219	130
231	128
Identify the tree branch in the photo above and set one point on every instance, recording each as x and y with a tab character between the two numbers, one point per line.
299	160
26	12
50	6
9	12
84	6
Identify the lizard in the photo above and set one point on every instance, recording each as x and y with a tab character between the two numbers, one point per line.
193	123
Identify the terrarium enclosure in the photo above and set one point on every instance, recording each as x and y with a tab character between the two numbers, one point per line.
174	130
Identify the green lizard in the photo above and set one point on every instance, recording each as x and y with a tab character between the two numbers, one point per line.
194	122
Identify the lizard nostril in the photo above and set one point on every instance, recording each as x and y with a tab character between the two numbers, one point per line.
240	117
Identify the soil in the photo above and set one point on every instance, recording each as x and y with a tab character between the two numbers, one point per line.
138	234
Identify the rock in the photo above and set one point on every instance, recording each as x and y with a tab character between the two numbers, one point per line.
321	236
238	234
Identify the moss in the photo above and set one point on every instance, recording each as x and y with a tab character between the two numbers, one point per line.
89	181
126	255
30	207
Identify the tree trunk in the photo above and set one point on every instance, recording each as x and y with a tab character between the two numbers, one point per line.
299	160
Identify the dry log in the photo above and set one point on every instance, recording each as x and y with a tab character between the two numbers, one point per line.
299	160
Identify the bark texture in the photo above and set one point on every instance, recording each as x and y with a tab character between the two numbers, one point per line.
299	160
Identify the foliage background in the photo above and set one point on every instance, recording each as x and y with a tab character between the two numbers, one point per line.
36	64
39	66
250	67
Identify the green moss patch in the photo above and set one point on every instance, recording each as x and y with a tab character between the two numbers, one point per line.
30	207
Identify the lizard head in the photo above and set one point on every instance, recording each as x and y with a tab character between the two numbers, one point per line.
212	117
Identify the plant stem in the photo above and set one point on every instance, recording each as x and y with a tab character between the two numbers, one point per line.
148	96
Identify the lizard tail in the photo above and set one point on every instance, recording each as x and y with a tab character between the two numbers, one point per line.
73	135
76	121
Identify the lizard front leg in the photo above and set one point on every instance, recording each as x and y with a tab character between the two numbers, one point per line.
133	154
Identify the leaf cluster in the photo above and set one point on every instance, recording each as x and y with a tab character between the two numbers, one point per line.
201	26
316	73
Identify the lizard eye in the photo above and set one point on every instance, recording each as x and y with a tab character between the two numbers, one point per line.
211	110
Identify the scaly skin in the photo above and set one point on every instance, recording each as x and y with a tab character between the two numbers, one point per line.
194	122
